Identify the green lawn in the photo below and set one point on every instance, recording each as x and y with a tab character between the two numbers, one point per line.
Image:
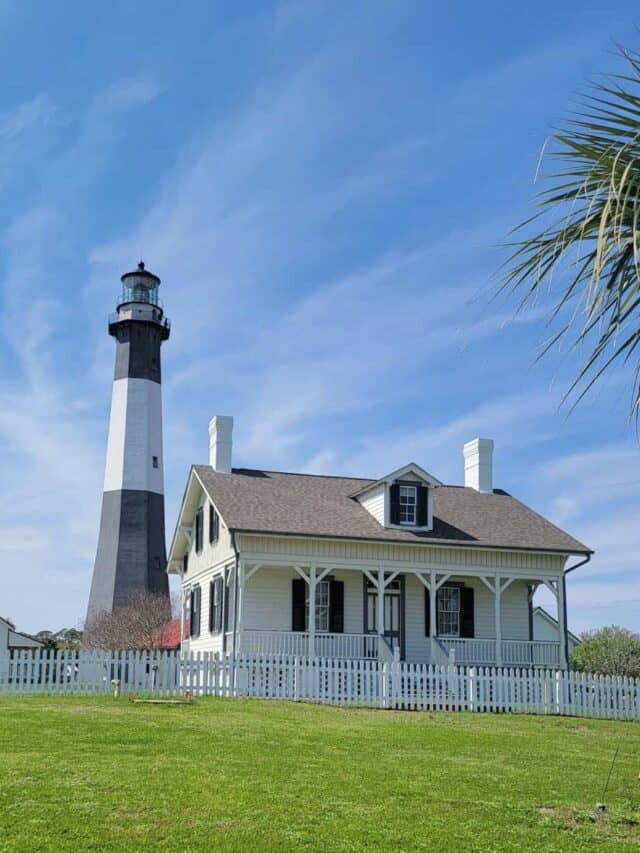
105	774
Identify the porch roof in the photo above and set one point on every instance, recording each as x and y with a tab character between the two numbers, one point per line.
310	505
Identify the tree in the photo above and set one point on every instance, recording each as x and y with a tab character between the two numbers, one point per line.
588	255
47	639
136	624
608	651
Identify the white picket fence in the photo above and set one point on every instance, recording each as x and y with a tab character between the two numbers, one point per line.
341	682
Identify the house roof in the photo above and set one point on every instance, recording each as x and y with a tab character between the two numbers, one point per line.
310	505
18	640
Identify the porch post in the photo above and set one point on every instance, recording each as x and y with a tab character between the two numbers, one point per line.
498	618
182	599
312	612
562	628
234	610
433	609
241	592
380	602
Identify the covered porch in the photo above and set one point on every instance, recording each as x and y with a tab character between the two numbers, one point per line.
423	615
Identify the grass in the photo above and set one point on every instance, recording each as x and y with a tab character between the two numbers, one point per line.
103	774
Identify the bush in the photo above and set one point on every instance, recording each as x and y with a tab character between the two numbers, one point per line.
608	651
136	624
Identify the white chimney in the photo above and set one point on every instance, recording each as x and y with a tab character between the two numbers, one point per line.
478	464
220	443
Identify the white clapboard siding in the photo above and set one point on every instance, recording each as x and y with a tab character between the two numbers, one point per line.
333	681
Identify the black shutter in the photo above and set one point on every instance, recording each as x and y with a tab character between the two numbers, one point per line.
219	594
394	504
211	607
199	525
466	612
298	598
336	607
423	506
185	562
427	612
214	524
195	612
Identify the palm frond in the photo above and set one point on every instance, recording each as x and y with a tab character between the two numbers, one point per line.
589	255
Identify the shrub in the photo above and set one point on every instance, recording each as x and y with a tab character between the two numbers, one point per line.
609	651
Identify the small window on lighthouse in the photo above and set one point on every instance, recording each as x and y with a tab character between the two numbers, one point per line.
155	461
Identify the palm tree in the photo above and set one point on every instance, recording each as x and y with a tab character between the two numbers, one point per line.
588	257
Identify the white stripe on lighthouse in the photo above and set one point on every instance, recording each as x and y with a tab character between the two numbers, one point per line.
135	437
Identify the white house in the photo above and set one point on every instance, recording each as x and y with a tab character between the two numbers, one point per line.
401	564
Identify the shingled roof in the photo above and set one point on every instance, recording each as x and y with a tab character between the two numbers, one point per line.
312	505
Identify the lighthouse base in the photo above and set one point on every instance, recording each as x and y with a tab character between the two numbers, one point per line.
131	552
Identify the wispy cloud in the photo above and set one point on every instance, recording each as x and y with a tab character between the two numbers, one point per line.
31	115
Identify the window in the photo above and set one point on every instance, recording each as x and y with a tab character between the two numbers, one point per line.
214	524
199	525
408	504
449	611
196	593
322	606
155	461
216	598
185	562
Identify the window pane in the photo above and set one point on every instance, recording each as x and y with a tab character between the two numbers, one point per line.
449	611
321	608
408	501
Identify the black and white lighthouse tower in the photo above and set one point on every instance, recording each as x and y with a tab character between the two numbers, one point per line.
131	546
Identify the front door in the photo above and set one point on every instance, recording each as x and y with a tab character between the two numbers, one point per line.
393	629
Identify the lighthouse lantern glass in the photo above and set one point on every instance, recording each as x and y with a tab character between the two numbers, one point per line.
140	288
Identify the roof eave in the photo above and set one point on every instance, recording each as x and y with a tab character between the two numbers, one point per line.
449	543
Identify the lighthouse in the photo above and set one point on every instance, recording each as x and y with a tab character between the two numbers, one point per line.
131	551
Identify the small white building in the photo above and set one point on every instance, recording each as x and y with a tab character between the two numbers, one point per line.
545	628
10	639
398	564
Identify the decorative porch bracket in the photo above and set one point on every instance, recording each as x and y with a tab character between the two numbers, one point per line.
188	532
380	581
312	580
498	586
433	583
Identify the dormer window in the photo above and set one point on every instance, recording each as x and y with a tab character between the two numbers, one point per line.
402	499
408	505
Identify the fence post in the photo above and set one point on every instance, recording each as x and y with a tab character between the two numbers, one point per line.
296	676
384	686
395	680
471	689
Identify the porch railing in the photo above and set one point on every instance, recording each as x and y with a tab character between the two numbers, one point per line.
345	646
483	652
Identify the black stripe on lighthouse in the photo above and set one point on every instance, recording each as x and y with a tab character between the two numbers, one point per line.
138	351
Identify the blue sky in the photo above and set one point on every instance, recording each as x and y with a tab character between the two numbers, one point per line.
323	188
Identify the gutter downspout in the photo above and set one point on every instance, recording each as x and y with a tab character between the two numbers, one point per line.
586	560
232	533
